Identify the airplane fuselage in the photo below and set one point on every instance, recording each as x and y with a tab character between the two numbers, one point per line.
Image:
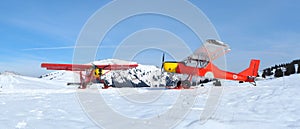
210	71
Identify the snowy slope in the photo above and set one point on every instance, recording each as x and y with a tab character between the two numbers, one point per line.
33	103
29	103
62	76
273	104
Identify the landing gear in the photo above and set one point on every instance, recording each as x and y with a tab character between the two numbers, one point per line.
186	84
83	85
253	83
217	83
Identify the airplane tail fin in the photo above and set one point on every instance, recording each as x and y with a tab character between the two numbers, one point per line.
252	70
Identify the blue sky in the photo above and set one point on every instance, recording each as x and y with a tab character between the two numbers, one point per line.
268	30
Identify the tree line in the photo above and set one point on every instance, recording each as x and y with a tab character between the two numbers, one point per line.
282	69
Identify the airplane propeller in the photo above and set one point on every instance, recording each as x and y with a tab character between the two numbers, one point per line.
100	69
94	66
162	61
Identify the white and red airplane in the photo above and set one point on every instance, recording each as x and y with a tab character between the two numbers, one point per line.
91	72
200	63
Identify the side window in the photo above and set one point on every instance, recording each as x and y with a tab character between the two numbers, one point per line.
196	63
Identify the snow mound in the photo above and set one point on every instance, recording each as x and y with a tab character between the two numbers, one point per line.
35	103
9	73
112	61
273	103
62	76
11	81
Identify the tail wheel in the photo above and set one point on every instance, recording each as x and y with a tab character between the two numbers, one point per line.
186	84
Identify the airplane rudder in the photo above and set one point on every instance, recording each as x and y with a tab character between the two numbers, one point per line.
252	69
254	65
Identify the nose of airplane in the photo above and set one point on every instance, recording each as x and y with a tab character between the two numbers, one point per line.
170	66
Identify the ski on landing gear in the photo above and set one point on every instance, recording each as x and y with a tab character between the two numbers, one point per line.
217	83
186	84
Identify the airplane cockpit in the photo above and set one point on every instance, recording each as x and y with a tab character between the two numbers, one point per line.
199	63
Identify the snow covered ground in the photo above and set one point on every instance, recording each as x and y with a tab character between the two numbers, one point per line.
35	103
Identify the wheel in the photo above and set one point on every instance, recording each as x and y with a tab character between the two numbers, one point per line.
186	84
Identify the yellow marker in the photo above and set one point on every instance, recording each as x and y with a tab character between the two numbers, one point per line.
170	66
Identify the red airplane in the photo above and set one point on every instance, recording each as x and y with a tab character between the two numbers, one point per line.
90	72
200	64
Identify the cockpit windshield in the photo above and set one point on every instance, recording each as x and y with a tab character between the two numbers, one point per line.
195	63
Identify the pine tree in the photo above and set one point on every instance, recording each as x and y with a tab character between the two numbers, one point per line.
276	66
292	68
298	70
264	74
296	62
278	73
268	72
287	70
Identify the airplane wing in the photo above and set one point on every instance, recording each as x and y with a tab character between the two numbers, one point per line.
82	67
211	50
